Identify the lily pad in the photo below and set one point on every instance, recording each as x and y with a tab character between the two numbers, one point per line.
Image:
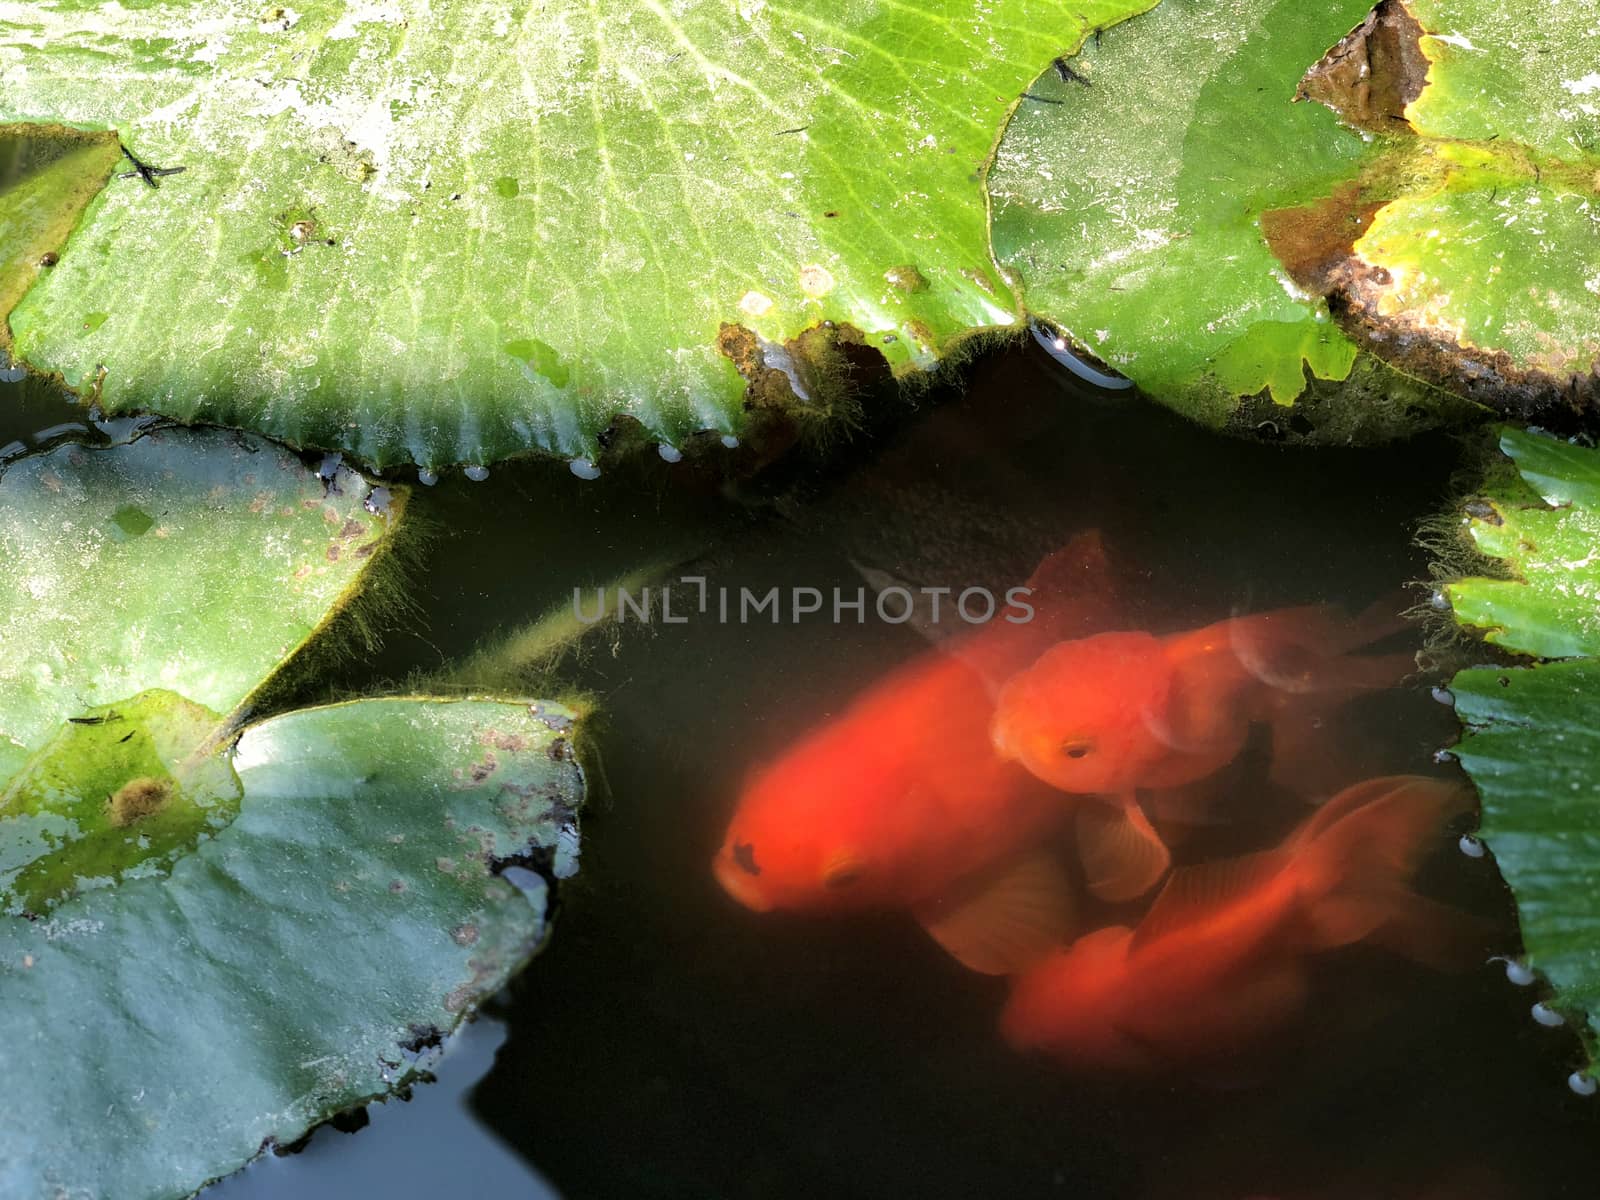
1543	522
448	233
1531	748
194	562
45	184
1532	744
163	1032
1252	198
121	790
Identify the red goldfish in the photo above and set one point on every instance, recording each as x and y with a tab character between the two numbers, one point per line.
901	801
1114	713
1221	958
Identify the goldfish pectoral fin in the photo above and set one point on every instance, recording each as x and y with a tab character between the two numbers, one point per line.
1123	856
1009	920
1193	893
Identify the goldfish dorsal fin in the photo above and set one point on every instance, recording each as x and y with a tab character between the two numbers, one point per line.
1195	893
1008	920
1123	856
921	617
1078	566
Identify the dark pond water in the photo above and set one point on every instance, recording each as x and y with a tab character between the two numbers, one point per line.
670	1043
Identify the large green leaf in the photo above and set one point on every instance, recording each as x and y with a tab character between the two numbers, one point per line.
194	562
161	1033
1543	522
1180	203
1510	71
1532	748
1533	733
452	232
45	184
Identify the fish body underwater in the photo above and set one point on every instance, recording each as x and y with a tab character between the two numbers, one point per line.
901	801
1221	960
1121	712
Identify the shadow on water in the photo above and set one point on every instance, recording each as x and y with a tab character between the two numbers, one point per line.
669	1043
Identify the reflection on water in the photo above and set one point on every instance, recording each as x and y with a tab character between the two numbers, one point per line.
428	1146
674	1042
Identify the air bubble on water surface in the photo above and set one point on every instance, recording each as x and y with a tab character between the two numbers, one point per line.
668	453
1444	756
1519	973
476	473
530	883
584	468
1546	1015
1440	601
1581	1084
1443	695
121	429
65	429
1471	846
11	372
730	441
1058	348
426	477
377	501
329	467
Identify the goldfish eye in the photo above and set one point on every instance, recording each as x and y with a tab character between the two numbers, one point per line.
842	871
1077	747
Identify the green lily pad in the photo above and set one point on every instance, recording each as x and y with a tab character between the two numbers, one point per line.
1531	748
1200	182
1543	522
241	940
163	1032
1495	69
45	184
1532	744
194	562
447	233
121	790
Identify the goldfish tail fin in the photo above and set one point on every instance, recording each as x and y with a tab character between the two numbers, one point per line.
1297	651
1383	618
1435	935
1357	855
1123	856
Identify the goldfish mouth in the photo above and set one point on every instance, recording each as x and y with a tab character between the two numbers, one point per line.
739	883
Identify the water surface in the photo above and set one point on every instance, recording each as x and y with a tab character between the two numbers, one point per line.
669	1043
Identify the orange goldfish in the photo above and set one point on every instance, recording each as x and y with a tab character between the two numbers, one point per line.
1221	958
1114	713
901	801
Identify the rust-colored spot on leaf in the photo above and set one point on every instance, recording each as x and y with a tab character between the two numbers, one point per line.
1373	73
1314	239
137	799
